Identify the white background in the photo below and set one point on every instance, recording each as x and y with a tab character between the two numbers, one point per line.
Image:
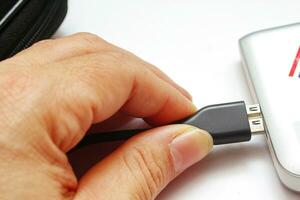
196	43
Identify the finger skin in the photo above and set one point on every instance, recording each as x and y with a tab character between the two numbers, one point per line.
89	88
166	78
47	103
93	87
143	166
54	50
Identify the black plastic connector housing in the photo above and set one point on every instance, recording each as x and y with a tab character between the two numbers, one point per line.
227	123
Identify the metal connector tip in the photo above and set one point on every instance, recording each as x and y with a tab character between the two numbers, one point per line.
253	110
256	125
255	119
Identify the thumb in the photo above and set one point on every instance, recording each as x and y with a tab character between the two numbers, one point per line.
145	164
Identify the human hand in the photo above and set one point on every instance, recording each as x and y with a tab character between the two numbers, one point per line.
51	93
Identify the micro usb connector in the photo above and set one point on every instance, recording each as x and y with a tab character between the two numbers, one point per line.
227	123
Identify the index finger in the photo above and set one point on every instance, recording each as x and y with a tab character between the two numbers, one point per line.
92	87
118	81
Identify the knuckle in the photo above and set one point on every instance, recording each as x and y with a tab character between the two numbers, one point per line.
90	39
113	60
117	56
90	43
103	66
148	170
87	35
44	43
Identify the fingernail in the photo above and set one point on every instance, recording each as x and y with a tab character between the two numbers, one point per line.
194	107
189	148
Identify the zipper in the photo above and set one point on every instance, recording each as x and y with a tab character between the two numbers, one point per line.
55	15
11	12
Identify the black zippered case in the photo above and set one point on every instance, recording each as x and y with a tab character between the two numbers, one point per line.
24	22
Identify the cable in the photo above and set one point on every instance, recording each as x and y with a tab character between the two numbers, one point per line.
227	123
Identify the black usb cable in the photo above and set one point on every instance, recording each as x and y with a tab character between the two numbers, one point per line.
227	123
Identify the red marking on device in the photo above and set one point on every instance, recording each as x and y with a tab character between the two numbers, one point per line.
293	69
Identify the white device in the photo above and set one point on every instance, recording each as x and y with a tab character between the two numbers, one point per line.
272	63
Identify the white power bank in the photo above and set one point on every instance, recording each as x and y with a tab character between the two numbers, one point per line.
270	58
